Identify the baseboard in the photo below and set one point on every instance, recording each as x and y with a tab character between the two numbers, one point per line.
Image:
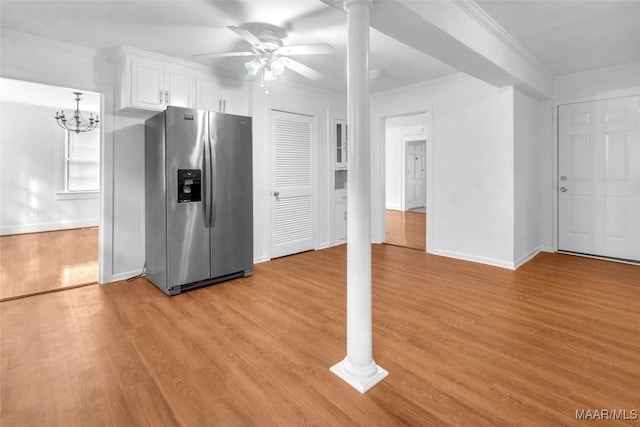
261	259
323	246
474	258
52	226
547	249
394	207
123	276
527	257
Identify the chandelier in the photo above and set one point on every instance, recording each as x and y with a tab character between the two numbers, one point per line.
77	123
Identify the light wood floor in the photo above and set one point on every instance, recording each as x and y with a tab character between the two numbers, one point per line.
41	262
464	344
407	229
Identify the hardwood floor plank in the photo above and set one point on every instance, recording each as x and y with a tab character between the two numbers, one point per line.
82	369
464	344
35	263
407	229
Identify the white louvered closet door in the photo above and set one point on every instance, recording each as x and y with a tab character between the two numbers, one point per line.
292	194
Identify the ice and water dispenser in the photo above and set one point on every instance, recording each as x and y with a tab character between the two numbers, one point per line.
189	185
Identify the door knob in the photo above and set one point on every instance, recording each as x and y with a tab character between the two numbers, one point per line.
276	193
563	178
563	189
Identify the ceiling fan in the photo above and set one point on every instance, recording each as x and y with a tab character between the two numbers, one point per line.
272	57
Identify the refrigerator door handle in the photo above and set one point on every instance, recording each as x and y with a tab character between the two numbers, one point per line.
212	181
207	182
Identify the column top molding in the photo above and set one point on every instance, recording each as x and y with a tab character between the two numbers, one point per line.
349	3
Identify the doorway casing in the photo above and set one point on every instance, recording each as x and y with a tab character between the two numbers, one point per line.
379	170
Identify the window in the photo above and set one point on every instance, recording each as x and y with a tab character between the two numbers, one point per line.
82	161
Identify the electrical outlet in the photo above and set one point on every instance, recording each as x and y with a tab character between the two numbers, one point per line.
34	214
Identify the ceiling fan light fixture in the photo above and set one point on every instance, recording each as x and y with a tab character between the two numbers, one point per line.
253	66
269	75
276	66
269	40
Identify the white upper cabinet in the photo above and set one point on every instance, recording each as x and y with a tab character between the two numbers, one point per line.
152	85
179	87
152	82
235	96
224	96
147	85
209	92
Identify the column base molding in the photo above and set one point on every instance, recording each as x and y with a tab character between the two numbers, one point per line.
360	382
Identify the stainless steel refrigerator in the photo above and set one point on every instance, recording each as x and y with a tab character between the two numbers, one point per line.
199	198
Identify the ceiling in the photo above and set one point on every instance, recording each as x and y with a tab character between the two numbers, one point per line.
566	36
572	36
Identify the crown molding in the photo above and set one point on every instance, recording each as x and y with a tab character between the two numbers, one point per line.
49	42
471	8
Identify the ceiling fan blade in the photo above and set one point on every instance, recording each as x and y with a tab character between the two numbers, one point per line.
301	69
248	36
225	54
307	49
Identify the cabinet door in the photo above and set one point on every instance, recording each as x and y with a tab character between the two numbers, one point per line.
340	218
147	85
179	88
341	133
234	98
209	93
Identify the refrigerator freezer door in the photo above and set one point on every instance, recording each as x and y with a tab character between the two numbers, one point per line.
188	251
232	231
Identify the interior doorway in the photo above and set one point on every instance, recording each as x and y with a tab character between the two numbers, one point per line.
50	191
406	209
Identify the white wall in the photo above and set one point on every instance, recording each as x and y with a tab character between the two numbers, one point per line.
128	201
472	161
32	161
301	100
527	177
545	175
596	84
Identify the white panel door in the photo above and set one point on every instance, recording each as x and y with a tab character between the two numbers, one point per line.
416	177
292	196
599	178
